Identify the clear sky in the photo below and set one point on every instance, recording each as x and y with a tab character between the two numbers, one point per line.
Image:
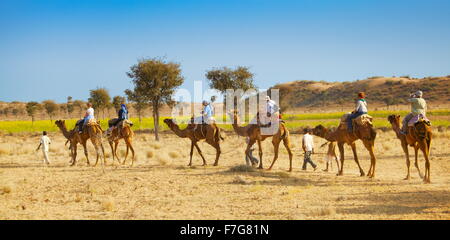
53	49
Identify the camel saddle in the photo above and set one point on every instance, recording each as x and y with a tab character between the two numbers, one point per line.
362	120
419	118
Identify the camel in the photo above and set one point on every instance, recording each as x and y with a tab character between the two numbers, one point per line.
210	133
419	137
253	131
127	135
365	133
91	131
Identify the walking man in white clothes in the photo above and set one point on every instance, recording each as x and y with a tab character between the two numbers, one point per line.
45	142
308	148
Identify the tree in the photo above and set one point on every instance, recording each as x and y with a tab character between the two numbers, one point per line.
139	103
389	101
155	80
31	109
117	101
15	112
226	78
70	106
50	107
100	99
63	108
79	104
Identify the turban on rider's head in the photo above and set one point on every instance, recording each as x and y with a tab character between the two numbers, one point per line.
419	93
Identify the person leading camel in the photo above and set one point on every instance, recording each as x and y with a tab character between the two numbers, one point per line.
360	109
308	149
418	108
45	142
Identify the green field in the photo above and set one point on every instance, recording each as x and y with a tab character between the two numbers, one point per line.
293	121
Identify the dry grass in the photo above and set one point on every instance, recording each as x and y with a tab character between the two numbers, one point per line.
160	186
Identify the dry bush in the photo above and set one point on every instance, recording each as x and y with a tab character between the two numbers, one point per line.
174	155
150	154
241	168
322	211
240	180
4	151
162	159
109	205
5	189
155	145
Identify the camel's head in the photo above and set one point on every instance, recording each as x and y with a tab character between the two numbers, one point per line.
169	122
394	119
319	130
60	123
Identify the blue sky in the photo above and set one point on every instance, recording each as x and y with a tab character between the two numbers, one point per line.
53	49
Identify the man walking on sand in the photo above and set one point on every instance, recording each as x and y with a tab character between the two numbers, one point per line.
45	142
308	148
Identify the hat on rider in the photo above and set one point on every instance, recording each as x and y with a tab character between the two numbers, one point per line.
419	93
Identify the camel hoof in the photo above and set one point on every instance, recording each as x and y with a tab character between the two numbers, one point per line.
290	170
407	178
216	164
362	174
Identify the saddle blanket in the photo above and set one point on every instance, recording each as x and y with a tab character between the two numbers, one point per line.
417	118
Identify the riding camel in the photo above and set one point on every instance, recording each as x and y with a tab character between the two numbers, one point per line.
123	132
419	137
253	131
197	132
91	131
365	133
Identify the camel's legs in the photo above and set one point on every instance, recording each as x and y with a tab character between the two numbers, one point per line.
373	160
355	156
112	151
216	145
74	154
276	146
192	152
116	143
416	160
405	150
260	155
423	146
126	153
249	146
85	152
130	145
287	145
341	151
200	152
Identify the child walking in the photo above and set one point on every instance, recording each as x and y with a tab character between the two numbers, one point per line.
44	142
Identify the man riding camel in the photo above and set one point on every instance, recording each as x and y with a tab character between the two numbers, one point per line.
272	112
360	109
87	117
418	109
207	113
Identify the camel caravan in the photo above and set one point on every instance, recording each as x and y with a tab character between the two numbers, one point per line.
414	131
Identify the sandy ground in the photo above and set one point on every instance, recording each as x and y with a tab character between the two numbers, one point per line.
160	186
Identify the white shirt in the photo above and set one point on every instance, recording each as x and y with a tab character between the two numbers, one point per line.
90	113
308	142
45	141
361	106
272	107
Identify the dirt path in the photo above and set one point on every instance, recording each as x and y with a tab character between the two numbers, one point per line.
160	186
